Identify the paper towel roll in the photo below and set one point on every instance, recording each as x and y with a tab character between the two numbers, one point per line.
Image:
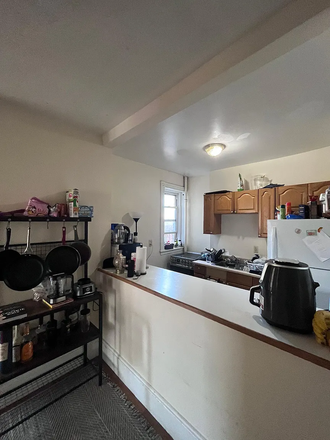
141	260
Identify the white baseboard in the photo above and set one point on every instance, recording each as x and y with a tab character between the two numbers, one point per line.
164	413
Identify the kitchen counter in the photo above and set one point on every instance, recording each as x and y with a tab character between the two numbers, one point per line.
229	269
200	358
226	305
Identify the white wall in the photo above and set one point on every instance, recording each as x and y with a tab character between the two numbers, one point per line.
240	232
196	240
202	380
43	159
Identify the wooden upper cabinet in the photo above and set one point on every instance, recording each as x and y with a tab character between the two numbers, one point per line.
317	188
266	209
246	202
224	203
296	194
212	222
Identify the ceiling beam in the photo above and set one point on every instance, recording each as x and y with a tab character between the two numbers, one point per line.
294	24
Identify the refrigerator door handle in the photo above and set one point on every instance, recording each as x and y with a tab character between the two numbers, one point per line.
273	243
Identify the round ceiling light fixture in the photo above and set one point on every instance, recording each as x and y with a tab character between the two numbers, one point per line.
214	149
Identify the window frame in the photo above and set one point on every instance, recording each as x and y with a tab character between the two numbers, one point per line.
169	188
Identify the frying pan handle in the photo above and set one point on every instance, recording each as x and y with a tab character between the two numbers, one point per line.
76	237
63	235
8	238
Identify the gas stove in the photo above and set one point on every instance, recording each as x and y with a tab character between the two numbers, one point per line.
183	263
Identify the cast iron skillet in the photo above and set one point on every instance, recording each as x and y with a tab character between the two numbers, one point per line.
83	248
7	256
63	259
26	271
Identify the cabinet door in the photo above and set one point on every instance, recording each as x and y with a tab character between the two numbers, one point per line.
199	271
219	275
212	222
317	188
296	194
246	202
224	203
266	209
242	281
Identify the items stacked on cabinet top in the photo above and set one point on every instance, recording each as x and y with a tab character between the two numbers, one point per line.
259	201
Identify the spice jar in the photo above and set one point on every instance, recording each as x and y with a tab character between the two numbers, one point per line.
85	320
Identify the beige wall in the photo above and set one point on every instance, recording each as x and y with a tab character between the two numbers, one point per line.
39	160
240	232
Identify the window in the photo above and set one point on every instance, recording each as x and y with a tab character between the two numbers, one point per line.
172	216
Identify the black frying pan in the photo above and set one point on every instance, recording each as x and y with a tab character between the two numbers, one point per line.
83	248
26	271
7	256
63	259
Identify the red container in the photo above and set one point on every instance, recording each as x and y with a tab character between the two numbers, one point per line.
287	208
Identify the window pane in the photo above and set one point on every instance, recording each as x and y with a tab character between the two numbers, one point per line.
170	226
169	213
169	238
169	200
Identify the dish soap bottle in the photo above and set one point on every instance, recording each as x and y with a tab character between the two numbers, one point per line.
240	186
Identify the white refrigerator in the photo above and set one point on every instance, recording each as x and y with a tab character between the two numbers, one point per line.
285	240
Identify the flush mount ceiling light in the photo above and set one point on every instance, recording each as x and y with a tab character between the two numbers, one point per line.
214	149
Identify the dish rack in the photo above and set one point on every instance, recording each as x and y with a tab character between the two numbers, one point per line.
256	267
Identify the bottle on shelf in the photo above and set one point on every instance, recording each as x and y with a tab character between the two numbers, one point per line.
27	345
240	186
17	339
5	354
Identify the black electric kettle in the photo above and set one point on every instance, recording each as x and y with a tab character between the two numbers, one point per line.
287	295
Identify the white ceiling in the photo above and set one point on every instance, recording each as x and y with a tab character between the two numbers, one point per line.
98	64
95	63
285	106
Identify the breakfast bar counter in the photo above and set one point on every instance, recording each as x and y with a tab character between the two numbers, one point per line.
203	361
226	305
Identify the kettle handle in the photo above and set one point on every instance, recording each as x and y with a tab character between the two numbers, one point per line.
253	290
315	285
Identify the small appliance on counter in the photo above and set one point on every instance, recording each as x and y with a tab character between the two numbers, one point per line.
84	287
60	288
286	295
121	239
128	249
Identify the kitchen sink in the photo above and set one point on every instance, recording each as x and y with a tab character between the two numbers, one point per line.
239	265
221	263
